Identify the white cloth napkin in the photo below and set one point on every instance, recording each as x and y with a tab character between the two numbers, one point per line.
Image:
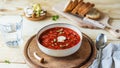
110	57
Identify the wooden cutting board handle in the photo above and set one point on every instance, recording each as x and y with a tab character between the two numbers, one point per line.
113	31
108	27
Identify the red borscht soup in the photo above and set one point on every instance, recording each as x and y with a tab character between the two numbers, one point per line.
59	38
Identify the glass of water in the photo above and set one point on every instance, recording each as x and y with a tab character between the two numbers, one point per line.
11	29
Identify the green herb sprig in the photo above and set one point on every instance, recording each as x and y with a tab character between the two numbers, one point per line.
7	61
55	17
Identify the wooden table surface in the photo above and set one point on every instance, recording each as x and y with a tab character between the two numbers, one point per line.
15	55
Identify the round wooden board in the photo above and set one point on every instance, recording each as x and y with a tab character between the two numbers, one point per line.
81	59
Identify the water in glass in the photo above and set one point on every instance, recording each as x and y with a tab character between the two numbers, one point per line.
11	29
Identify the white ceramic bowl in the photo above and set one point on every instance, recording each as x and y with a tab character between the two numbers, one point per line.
59	52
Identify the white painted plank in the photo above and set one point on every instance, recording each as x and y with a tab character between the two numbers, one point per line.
4	65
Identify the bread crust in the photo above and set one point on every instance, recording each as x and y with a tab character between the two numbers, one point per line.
81	8
71	5
75	10
68	6
87	9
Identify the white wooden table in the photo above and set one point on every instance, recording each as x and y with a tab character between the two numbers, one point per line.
15	55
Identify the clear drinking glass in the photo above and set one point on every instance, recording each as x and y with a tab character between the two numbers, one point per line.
11	29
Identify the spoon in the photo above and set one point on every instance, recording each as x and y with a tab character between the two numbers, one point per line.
100	44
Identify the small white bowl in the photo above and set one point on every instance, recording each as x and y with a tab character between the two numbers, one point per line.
59	52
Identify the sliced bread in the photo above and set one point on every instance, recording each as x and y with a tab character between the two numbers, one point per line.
70	5
93	14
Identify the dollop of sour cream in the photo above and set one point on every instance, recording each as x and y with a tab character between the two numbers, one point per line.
61	38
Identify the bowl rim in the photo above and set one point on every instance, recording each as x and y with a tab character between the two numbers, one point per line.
37	35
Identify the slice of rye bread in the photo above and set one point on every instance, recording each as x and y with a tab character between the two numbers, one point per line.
70	5
87	9
74	11
82	7
93	14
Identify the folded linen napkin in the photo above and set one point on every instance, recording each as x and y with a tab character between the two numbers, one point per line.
110	57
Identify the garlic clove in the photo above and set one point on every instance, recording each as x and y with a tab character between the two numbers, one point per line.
28	15
42	14
29	11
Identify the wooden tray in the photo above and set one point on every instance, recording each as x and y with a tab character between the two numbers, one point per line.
81	59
